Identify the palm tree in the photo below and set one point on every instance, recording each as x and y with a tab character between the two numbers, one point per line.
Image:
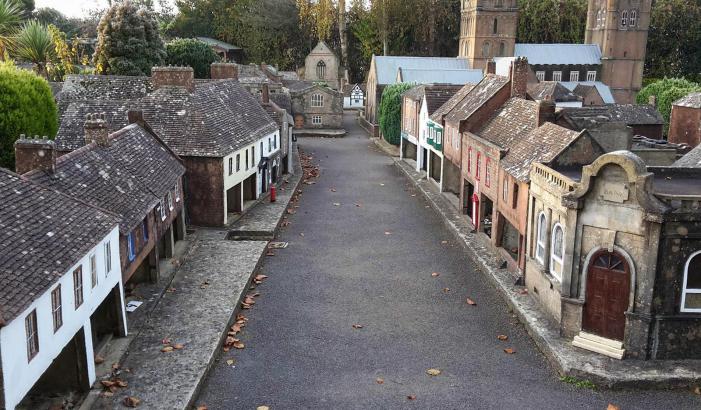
10	19
33	43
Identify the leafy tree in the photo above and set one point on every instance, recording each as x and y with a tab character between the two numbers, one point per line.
49	16
674	42
27	7
26	107
128	41
667	91
193	53
10	19
34	44
552	21
65	55
391	111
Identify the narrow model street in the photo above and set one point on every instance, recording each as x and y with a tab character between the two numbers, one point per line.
362	249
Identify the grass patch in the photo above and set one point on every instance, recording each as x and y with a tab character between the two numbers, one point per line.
581	384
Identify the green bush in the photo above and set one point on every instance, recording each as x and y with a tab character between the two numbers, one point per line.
666	91
26	107
391	112
192	53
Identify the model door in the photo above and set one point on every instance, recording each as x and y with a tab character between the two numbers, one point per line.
608	293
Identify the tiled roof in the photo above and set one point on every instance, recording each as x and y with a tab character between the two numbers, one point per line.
574	54
386	66
603	89
217	119
541	145
448	106
692	100
128	177
631	114
299	86
691	160
43	233
553	89
510	123
477	97
251	73
289	75
103	87
282	100
448	76
436	95
71	133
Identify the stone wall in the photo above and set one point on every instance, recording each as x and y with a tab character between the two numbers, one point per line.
685	125
205	191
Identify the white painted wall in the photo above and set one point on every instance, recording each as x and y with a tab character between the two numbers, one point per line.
19	375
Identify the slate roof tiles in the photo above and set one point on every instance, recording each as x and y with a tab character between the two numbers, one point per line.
477	97
43	233
448	106
692	159
510	123
631	114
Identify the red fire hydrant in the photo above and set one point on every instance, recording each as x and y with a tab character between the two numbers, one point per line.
273	194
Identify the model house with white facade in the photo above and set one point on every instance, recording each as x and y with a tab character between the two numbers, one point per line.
60	289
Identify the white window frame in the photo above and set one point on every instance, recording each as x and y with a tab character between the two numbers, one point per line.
574	76
231	166
108	258
686	291
553	257
177	191
557	75
505	190
317	100
93	270
31	330
624	18
591	76
169	198
541	246
540	75
78	285
317	120
162	210
56	308
633	20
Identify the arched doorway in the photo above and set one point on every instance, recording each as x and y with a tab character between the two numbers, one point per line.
607	295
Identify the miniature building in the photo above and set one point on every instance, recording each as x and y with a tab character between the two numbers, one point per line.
353	96
613	255
315	107
322	65
685	120
553	91
60	288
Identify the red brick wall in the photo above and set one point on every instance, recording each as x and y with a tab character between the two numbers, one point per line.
205	190
222	71
684	125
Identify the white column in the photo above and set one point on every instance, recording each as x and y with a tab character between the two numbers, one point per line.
440	185
89	353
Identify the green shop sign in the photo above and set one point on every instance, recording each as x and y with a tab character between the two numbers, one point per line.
435	135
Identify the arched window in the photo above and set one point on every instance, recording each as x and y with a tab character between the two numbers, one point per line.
633	18
557	251
499	3
541	238
467	48
496	26
598	19
321	70
485	49
691	292
317	100
624	18
502	49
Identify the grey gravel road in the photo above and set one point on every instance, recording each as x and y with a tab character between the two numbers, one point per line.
371	265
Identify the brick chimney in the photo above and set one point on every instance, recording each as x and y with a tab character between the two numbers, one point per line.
519	77
135	117
34	153
491	67
546	111
265	93
224	71
173	76
96	130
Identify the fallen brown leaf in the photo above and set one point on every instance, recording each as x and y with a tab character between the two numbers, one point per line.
131	401
262	408
509	351
122	383
165	341
503	337
444	242
411	397
230	362
238	345
612	407
99	359
107	383
379	380
435	274
471	302
332	189
357	326
106	394
167	349
697	390
236	328
433	372
202	407
270	253
446	290
388	233
178	346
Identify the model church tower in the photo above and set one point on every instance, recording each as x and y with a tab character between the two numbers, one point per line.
620	29
487	29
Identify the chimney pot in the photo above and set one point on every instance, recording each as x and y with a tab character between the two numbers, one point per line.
136	117
491	67
174	77
265	95
519	77
34	153
96	130
224	71
546	111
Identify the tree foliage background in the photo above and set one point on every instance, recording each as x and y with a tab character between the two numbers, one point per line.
391	111
26	107
666	91
193	53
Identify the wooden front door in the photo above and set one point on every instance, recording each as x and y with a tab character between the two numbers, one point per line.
607	297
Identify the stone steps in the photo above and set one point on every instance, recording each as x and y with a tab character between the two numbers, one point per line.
598	344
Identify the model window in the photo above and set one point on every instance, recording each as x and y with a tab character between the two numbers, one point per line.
162	210
317	100
321	69
557	251
56	312
261	148
108	258
691	295
169	198
485	49
540	75
131	248
541	238
574	75
633	18
253	156
496	26
469	160
270	144
316	120
557	75
502	48
30	329
514	199
238	162
275	141
78	286
624	18
591	75
478	165
231	166
93	270
247	160
144	229
487	174
177	185
598	18
505	190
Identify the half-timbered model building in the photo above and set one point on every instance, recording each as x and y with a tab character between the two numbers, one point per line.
60	287
614	255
